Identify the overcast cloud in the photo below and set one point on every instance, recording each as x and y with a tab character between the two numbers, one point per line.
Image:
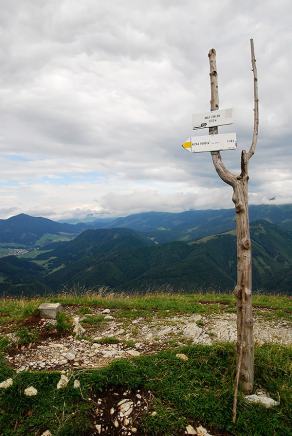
96	98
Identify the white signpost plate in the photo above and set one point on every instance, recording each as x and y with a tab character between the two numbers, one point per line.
220	117
222	141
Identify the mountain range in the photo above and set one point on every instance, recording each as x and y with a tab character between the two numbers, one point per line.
24	230
199	253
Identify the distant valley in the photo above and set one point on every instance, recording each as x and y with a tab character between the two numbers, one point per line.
194	250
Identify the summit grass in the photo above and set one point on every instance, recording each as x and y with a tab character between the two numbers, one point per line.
273	306
196	391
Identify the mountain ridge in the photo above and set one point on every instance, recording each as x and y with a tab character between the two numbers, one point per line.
160	226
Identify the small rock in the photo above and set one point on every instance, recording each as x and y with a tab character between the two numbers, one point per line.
201	431
78	330
63	382
70	356
106	311
190	430
154	413
116	423
120	332
109	353
262	399
136	321
138	345
112	411
126	407
133	430
30	391
108	317
182	357
49	310
46	433
76	384
6	383
98	428
133	353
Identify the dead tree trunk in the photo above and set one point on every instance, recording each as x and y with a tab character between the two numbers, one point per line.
239	183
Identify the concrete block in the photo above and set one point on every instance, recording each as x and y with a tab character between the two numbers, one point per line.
49	310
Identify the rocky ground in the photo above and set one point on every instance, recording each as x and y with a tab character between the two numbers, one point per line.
114	337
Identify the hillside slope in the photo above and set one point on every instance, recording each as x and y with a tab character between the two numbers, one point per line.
123	259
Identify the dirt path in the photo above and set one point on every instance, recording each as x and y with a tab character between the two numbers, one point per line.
117	337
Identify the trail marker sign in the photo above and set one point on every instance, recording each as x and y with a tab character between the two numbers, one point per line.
222	141
216	118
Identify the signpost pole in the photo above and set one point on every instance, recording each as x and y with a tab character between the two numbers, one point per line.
245	343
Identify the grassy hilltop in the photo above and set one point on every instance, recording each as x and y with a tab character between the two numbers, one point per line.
168	392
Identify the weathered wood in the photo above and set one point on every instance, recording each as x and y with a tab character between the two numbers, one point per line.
245	346
222	171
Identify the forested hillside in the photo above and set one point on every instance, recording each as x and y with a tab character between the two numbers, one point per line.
124	259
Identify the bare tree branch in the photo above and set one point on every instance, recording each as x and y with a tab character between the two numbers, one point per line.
251	151
226	175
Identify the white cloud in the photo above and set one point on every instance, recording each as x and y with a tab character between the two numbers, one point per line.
96	98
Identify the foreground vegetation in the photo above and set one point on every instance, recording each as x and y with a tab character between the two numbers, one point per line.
195	391
198	391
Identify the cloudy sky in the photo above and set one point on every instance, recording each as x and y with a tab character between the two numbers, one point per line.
96	98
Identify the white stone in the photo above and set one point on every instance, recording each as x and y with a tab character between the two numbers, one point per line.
201	431
70	356
6	383
98	428
190	430
133	353
120	332
126	407
109	353
134	430
49	310
182	357
63	382
108	317
78	330
30	391
76	384
46	433
106	311
262	399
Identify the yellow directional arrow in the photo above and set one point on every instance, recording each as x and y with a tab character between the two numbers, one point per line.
187	144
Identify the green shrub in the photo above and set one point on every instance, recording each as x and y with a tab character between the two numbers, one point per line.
26	336
64	323
4	343
93	319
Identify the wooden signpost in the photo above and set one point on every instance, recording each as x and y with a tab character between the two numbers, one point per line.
198	144
221	117
239	184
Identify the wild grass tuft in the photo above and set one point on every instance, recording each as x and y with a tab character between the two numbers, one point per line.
64	323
